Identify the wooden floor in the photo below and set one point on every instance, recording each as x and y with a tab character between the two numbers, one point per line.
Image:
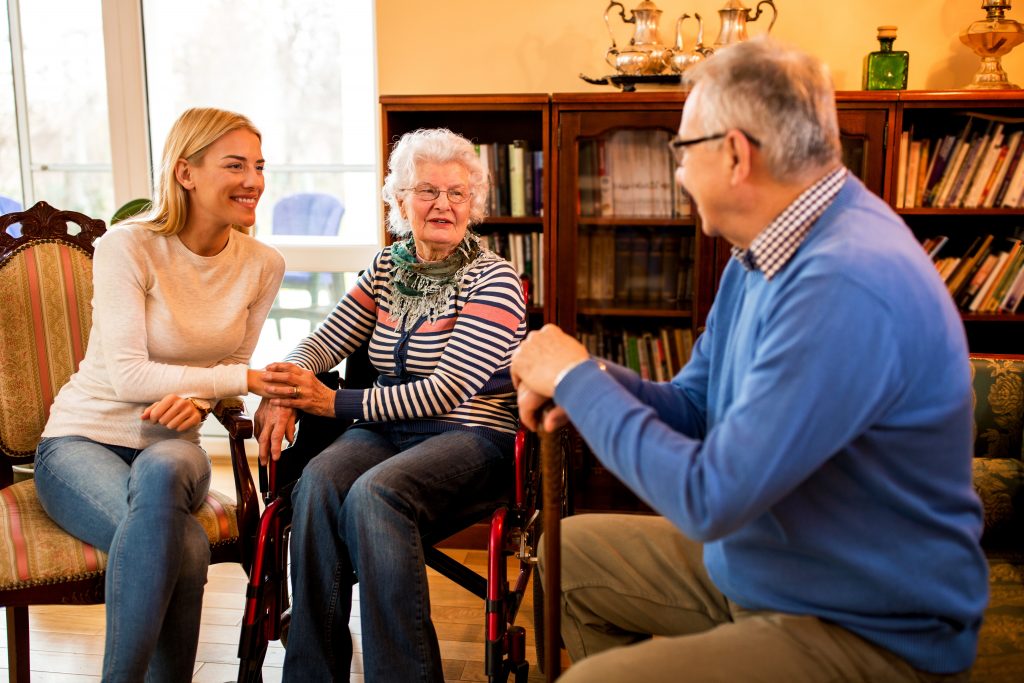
67	642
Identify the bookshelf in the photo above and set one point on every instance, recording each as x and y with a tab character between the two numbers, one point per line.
951	172
610	261
511	131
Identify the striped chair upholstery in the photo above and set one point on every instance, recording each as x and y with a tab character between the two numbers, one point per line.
45	317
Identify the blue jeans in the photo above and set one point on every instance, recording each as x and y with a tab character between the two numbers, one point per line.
360	509
137	506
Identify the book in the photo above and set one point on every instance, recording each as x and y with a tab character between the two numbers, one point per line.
952	170
1012	145
538	183
990	281
922	171
1013	197
988	155
979	278
1014	293
967	264
901	170
913	161
968	168
670	263
941	158
517	178
583	244
995	296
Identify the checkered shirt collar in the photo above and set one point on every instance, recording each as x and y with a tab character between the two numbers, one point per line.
777	243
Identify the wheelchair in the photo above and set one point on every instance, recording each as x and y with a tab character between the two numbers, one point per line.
514	528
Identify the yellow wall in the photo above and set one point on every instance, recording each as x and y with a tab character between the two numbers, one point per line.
521	46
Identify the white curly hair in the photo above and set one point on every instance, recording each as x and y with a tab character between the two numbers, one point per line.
438	146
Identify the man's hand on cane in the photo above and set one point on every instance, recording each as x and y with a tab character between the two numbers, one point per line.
540	360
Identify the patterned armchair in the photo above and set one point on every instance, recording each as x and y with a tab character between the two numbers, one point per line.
998	383
46	289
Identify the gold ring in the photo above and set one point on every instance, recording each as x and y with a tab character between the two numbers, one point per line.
295	391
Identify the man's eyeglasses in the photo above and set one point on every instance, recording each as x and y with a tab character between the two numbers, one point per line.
678	145
429	193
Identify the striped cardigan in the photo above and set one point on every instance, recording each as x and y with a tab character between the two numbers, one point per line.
449	374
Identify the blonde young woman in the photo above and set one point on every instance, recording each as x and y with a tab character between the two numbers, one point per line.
180	296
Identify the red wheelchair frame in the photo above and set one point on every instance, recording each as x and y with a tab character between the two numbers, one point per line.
514	529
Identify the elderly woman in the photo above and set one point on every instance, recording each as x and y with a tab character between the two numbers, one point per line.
433	435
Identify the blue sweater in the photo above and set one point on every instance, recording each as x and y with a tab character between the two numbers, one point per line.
819	440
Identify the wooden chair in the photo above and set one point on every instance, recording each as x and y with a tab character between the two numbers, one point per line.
45	319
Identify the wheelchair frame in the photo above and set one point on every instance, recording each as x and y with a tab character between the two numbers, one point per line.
514	529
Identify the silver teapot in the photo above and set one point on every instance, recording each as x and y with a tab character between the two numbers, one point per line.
735	18
682	59
645	55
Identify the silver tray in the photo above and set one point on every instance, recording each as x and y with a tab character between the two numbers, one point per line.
630	83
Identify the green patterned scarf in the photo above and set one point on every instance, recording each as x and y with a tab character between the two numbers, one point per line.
421	288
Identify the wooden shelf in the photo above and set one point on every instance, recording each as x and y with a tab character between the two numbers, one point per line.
637	310
930	211
629	221
511	221
992	317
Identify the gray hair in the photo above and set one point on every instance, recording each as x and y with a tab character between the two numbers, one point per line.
777	94
438	146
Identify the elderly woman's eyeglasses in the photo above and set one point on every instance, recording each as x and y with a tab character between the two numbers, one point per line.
679	145
428	193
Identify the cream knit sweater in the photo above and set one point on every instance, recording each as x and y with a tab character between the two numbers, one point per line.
164	321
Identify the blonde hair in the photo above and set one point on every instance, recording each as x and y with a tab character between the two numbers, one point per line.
190	137
437	146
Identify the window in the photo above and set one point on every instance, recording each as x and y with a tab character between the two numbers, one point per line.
302	71
297	68
10	175
60	85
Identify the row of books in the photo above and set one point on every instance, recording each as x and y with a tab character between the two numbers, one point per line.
517	178
634	265
525	251
630	173
979	167
654	355
987	278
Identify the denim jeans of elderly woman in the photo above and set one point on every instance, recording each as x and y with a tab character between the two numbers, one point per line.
360	508
137	506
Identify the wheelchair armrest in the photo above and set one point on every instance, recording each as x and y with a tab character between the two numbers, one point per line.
231	413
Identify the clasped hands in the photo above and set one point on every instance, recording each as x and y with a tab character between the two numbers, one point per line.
535	365
285	388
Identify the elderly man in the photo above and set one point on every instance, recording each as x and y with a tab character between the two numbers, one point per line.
812	460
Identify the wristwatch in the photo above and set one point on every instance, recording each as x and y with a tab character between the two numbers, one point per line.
202	406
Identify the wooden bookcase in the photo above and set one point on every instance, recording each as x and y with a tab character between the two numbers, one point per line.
568	127
579	119
487	119
930	116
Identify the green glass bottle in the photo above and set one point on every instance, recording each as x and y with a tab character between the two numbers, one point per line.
886	69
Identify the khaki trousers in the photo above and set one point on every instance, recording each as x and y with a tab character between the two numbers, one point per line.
628	577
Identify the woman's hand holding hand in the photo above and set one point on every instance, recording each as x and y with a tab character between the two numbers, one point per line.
273	424
290	386
173	412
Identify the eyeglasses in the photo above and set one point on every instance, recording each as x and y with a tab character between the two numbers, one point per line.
678	145
429	193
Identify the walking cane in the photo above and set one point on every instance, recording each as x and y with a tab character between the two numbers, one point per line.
551	477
